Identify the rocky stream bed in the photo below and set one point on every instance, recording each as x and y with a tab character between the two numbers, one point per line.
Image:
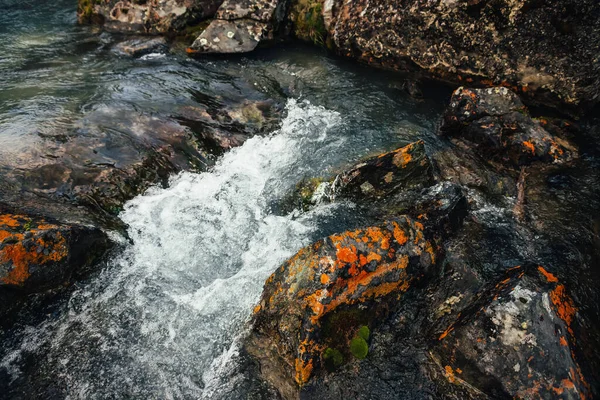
214	199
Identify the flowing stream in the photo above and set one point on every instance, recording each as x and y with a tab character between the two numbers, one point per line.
157	318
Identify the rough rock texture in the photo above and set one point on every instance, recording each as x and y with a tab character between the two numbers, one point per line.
496	313
499	126
547	50
405	168
516	340
239	26
37	255
148	16
322	295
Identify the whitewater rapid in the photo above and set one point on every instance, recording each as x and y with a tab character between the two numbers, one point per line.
152	323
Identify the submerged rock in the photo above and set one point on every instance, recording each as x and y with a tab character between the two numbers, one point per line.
37	255
148	16
141	46
499	126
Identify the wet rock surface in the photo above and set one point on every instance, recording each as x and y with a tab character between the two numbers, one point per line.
531	46
516	340
152	16
484	315
239	26
499	126
141	46
37	255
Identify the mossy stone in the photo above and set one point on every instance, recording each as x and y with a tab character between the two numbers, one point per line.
333	358
359	347
364	332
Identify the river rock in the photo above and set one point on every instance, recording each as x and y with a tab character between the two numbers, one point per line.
321	297
547	50
496	122
517	340
141	46
239	26
37	254
147	16
405	168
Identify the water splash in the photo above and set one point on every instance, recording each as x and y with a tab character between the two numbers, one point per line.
153	322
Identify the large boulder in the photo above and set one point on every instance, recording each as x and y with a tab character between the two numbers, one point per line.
545	49
498	125
147	16
37	255
316	303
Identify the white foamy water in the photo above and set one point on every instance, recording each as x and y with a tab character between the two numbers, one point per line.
154	321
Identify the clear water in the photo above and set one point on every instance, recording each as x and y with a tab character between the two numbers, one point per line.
156	319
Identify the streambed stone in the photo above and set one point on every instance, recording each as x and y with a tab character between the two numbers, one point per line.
498	125
37	255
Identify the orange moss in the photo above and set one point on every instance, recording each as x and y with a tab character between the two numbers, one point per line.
563	341
257	308
324	279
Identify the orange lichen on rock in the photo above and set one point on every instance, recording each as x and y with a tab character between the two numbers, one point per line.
530	146
549	277
41	251
303	371
403	157
565	308
9	220
449	373
345	269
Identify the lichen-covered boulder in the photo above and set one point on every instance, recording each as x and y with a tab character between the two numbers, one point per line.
239	26
321	297
38	255
498	124
545	49
517	340
147	16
